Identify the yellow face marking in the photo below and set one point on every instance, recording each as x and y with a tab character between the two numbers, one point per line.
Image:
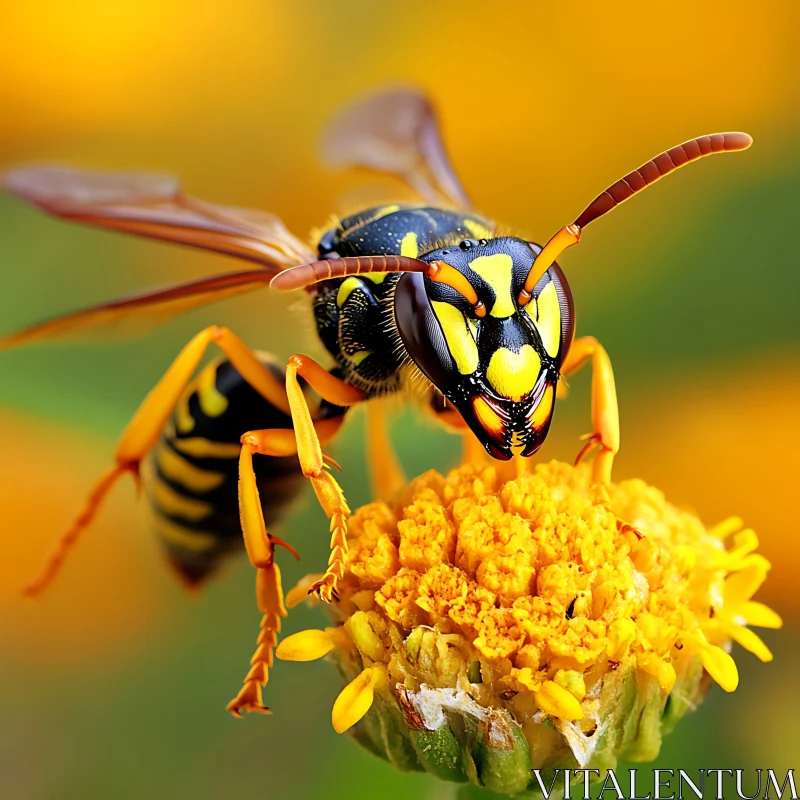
186	540
212	402
513	375
545	408
409	246
197	447
546	314
487	417
477	229
181	471
377	277
496	271
176	505
458	336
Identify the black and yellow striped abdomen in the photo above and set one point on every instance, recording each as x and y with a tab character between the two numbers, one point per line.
191	478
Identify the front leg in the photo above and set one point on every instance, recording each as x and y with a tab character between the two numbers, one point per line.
605	412
385	469
312	462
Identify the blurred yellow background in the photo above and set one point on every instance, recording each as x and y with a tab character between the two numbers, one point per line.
114	683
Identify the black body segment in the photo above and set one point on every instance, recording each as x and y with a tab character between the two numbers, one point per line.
355	315
401	229
191	478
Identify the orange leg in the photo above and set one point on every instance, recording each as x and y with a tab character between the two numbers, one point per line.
260	546
312	462
605	412
144	429
473	451
387	473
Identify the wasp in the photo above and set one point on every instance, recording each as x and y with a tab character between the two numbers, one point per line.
425	299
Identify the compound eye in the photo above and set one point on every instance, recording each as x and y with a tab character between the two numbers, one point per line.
422	333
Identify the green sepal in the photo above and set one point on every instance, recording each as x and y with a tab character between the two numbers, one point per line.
685	695
500	753
618	695
439	753
642	736
367	732
396	737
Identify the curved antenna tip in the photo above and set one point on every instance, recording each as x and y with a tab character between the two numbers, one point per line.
740	140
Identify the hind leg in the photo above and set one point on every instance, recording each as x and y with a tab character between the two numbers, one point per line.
147	424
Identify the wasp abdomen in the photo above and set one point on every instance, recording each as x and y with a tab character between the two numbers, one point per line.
191	477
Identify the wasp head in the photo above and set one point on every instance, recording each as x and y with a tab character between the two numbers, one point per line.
496	361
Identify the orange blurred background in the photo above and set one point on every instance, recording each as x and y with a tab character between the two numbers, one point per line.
115	681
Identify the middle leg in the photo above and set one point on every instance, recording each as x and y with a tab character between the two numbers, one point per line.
260	546
313	463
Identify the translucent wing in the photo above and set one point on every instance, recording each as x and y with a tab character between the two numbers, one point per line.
132	314
396	131
154	206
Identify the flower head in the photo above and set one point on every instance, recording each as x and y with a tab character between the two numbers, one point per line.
488	626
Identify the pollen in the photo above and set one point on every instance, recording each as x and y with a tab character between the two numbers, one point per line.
577	620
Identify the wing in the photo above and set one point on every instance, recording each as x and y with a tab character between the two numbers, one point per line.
132	314
396	131
154	206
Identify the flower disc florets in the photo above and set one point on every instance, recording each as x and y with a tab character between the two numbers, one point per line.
491	626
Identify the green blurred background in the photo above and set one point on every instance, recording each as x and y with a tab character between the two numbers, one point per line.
114	684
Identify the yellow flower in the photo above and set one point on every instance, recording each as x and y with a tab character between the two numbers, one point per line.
489	626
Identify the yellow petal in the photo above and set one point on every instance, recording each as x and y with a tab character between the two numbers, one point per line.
726	527
558	702
720	666
299	592
760	615
353	701
305	646
741	586
750	641
744	542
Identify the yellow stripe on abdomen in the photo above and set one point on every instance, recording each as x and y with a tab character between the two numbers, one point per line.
176	505
198	447
179	470
185	538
